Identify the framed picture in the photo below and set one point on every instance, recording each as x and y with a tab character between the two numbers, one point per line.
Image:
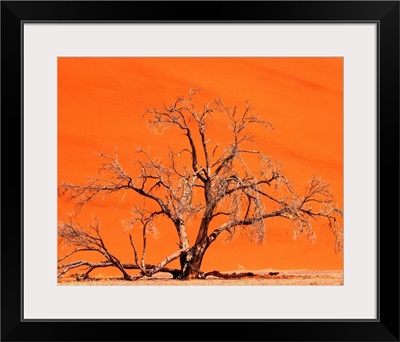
170	163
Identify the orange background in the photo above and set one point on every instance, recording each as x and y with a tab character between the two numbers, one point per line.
100	102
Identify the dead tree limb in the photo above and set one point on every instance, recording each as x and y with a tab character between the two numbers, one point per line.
90	266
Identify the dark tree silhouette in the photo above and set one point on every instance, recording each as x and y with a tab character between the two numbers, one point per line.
204	180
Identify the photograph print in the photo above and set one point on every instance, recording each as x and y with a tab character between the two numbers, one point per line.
197	171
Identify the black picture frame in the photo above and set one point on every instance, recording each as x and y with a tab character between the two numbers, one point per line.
15	328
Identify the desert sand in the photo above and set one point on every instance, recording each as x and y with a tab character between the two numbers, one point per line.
262	278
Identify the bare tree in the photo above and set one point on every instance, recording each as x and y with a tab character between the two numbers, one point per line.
219	185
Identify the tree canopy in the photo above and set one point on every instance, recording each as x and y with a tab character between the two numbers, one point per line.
220	187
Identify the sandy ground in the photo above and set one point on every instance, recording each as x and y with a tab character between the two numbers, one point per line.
286	277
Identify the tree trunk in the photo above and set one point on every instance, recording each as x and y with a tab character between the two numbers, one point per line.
191	262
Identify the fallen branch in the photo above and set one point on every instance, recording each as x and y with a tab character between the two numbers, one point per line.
229	275
90	266
238	275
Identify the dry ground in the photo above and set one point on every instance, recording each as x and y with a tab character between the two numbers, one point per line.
286	277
